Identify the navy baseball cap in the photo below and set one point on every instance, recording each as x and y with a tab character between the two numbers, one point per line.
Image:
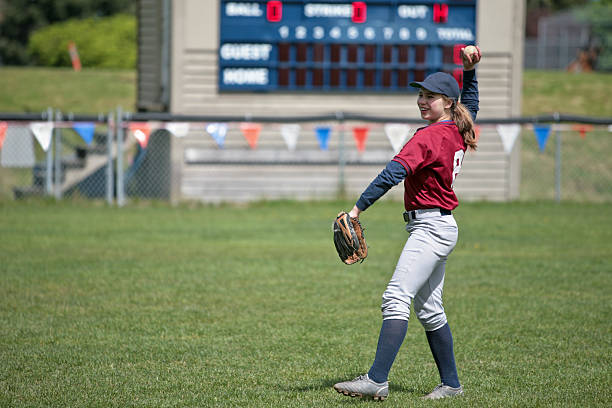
440	82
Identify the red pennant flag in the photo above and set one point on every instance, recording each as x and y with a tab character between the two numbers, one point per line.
360	133
3	126
141	131
582	129
477	132
251	133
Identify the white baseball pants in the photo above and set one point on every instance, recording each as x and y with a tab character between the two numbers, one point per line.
419	273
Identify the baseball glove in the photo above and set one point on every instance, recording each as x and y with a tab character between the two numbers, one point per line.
349	239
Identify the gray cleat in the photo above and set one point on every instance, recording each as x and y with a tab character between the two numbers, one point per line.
362	386
444	391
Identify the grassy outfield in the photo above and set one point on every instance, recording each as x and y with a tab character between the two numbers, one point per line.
250	307
34	89
565	92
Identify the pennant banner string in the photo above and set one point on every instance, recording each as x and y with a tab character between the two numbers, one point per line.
217	131
477	132
250	132
397	134
141	131
322	133
178	129
42	132
85	130
360	134
3	126
582	129
508	135
291	133
541	132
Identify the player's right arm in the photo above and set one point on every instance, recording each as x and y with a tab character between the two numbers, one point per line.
469	94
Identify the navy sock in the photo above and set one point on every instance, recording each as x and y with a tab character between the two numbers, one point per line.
441	345
391	336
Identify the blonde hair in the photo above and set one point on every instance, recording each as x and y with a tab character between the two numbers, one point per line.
463	119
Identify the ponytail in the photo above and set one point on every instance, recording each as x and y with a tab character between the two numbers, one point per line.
463	119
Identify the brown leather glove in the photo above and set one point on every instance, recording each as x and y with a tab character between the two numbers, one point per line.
349	239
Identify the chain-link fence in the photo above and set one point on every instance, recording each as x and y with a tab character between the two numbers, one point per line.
572	164
84	153
22	161
147	169
178	157
49	155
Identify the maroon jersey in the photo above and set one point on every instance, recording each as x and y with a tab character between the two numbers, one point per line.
433	156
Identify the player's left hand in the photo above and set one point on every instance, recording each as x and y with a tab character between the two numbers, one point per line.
354	213
349	239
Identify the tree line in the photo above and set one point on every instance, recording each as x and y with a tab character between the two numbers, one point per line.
20	18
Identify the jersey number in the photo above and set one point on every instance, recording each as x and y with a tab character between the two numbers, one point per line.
457	165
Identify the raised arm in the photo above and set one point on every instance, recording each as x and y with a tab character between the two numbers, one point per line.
469	94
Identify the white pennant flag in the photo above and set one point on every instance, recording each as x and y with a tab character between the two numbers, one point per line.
42	131
291	133
397	133
178	129
508	134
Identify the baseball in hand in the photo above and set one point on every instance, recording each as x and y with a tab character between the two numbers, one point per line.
470	57
470	49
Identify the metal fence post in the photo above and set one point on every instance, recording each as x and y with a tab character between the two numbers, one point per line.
119	180
109	165
49	160
557	159
341	156
58	156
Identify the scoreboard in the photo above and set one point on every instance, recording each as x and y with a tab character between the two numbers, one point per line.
344	46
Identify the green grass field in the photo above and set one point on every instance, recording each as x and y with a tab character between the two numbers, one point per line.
34	89
587	93
225	306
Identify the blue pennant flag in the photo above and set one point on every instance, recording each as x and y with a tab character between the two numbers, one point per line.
218	132
85	130
542	132
323	136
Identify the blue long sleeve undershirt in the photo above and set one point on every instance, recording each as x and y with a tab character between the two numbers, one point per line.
391	176
394	173
469	94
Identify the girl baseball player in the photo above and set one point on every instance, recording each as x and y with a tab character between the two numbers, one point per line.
428	165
